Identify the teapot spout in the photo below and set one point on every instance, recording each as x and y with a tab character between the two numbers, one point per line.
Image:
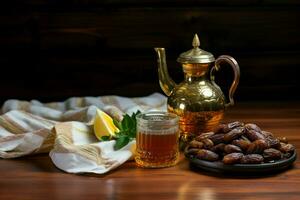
165	81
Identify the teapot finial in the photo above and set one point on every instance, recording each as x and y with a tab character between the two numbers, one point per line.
196	41
196	55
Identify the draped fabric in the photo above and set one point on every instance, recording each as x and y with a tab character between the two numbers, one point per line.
65	130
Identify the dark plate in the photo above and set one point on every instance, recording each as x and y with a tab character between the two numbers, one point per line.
219	167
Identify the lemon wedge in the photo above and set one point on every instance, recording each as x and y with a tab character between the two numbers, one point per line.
104	125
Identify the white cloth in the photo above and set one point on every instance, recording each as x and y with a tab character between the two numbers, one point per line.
65	129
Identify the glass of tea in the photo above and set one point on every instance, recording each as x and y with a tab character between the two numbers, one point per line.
157	140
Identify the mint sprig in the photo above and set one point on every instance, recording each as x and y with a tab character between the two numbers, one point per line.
105	138
127	130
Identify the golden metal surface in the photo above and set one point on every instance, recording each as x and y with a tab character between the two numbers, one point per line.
165	81
196	55
236	69
198	100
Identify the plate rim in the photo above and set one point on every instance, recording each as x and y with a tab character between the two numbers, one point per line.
208	165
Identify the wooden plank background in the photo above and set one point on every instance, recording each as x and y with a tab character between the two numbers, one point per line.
51	50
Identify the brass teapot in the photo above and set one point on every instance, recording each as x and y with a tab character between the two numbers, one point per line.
198	100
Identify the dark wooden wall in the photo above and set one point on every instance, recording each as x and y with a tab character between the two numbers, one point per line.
54	49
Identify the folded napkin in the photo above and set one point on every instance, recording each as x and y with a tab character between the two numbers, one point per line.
65	129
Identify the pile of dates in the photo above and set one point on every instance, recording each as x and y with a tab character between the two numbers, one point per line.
241	143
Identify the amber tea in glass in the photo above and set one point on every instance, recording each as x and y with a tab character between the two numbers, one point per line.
157	140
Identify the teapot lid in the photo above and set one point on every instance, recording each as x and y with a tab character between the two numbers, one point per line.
196	55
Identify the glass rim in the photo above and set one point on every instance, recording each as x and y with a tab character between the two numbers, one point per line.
171	118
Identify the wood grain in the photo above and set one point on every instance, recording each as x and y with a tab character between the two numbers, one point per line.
35	177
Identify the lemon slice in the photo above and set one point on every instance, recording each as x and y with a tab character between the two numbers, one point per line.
103	125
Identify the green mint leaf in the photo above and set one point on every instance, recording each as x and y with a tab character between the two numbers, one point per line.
105	138
132	133
126	122
120	134
122	141
135	114
127	130
117	124
134	117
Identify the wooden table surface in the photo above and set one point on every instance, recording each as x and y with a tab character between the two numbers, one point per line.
35	177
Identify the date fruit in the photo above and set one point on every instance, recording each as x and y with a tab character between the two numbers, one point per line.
286	148
252	159
207	143
225	128
208	155
232	158
217	138
252	127
242	143
219	148
190	151
237	142
204	136
253	135
267	134
236	124
196	144
272	154
230	148
273	142
234	134
222	128
257	147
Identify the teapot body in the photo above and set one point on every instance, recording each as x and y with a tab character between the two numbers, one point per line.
199	103
198	100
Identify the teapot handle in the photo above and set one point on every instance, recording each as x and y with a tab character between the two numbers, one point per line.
236	69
